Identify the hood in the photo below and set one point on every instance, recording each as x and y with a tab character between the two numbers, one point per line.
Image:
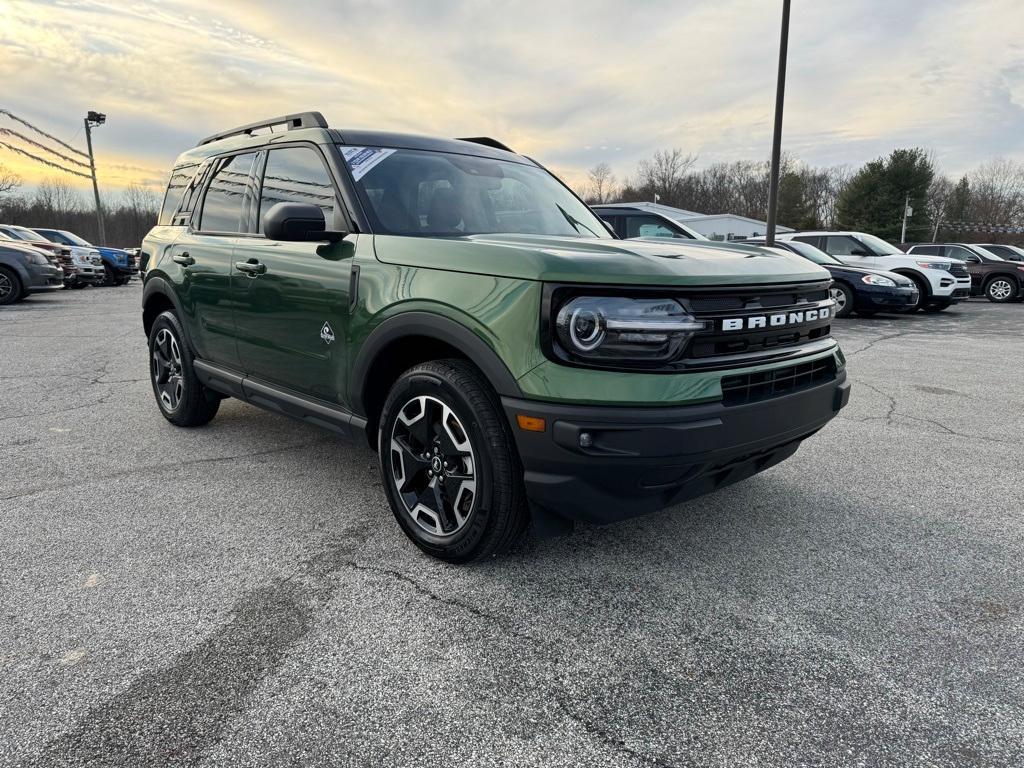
653	261
898	279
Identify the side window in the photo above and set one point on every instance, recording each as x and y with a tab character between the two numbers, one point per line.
222	204
648	226
615	222
841	245
927	250
180	178
297	175
814	240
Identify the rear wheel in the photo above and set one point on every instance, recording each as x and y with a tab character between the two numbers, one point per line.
11	290
182	398
842	295
1000	290
449	463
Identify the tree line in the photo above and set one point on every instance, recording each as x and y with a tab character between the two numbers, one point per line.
870	198
55	204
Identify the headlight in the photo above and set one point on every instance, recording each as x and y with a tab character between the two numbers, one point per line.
878	280
934	265
617	328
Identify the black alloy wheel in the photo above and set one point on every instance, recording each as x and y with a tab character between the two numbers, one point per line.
433	466
182	398
167	379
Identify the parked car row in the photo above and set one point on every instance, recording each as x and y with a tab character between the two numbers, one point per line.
34	260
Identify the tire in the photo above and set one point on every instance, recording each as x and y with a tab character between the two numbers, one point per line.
449	463
110	277
77	285
11	289
1000	290
181	397
922	295
843	297
940	306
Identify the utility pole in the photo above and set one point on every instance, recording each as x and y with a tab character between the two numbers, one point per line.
95	118
907	211
780	97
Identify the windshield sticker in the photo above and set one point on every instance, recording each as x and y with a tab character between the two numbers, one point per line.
363	159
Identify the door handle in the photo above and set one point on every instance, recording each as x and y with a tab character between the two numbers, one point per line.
251	267
183	259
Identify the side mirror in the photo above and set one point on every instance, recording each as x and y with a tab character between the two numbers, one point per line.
298	222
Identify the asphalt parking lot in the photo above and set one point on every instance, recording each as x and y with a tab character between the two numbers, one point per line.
240	594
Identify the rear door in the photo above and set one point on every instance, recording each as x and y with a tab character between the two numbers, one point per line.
204	258
292	299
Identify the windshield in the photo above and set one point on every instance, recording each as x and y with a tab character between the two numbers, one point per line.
816	255
19	234
879	246
64	238
986	253
438	194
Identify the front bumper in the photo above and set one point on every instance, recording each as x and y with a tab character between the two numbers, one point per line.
642	459
45	278
882	298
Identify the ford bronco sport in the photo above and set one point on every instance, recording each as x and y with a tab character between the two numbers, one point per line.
455	305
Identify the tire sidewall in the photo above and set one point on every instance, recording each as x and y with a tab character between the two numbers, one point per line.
464	542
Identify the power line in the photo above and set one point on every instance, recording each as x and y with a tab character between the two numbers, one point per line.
23	137
42	132
43	160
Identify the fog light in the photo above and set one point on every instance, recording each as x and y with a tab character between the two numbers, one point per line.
586	440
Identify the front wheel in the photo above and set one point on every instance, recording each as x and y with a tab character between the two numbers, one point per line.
922	296
11	290
182	398
449	463
843	297
1000	290
938	306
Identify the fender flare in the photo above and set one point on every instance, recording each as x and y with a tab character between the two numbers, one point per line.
20	271
917	277
157	284
419	323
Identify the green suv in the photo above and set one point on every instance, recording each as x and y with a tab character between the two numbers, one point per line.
455	305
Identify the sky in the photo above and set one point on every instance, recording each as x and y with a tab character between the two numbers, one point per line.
569	83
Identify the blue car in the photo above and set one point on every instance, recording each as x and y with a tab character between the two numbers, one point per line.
119	265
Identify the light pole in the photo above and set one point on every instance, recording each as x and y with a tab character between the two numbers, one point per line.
907	212
780	96
95	119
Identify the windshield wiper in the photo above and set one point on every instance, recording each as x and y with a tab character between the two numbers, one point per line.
573	222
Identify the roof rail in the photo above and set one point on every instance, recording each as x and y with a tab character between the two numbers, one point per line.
487	142
298	120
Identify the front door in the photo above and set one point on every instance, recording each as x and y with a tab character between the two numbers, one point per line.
291	299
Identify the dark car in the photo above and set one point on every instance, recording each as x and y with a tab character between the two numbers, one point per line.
25	270
629	222
856	289
991	276
1003	251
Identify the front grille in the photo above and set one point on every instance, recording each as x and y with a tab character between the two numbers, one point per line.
753	387
792	301
958	270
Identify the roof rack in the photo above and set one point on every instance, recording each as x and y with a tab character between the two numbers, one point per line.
487	142
298	120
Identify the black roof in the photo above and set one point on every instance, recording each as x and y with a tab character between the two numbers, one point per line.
481	147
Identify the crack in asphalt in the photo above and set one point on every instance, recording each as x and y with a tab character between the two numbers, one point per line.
873	342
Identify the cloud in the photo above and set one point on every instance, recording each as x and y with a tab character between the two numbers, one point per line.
571	84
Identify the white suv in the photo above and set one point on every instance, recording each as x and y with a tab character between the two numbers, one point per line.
940	281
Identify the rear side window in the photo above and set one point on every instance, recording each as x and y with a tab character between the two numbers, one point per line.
297	175
928	250
222	204
814	240
180	177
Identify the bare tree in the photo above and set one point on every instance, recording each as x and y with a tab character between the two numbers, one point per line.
664	174
997	192
940	193
57	197
9	180
602	184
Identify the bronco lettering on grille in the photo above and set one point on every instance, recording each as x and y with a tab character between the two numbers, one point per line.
775	321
